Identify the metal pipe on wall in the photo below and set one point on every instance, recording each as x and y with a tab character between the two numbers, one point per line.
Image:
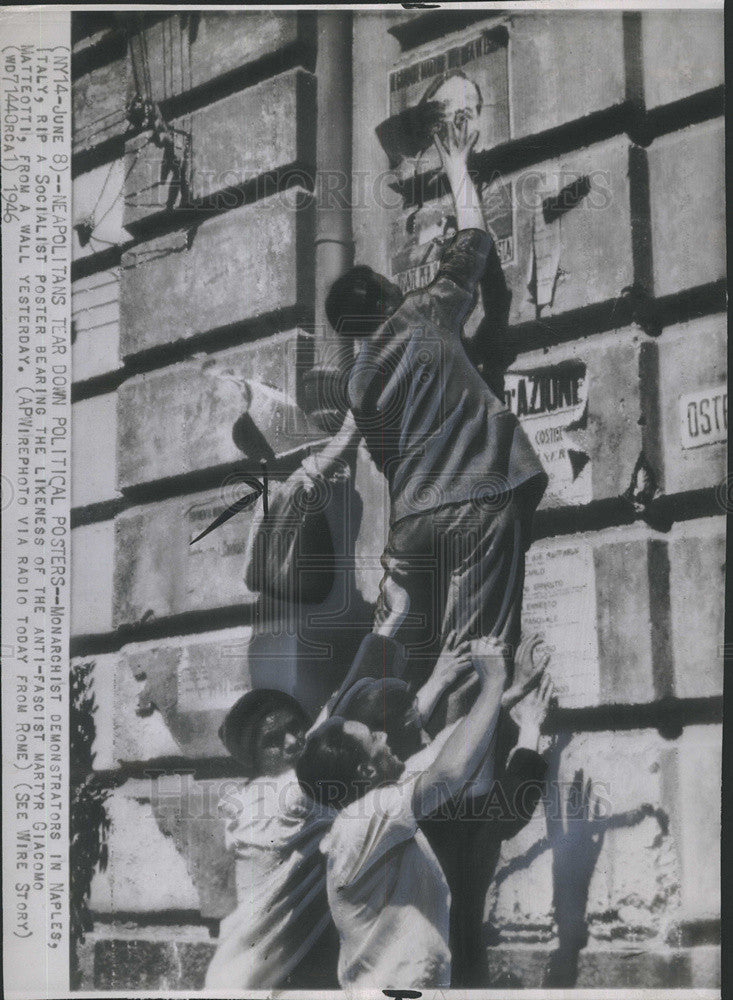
334	245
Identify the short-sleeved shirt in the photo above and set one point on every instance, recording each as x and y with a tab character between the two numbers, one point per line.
274	830
388	895
430	422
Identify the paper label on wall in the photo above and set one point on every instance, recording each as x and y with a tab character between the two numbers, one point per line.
704	417
560	603
206	683
552	406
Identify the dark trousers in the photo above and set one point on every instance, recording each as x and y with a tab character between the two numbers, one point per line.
468	852
462	566
318	969
468	848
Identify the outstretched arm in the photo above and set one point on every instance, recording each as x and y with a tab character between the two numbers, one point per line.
487	351
339	449
528	672
523	782
454	660
454	144
467	746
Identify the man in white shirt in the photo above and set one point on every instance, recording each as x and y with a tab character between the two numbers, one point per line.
281	932
387	892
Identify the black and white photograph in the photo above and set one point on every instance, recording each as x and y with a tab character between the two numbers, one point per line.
364	494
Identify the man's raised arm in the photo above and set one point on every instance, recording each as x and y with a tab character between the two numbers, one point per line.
466	748
454	660
454	144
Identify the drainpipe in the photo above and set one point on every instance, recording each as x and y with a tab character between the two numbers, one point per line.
334	245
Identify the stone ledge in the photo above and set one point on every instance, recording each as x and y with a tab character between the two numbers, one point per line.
690	163
93	467
99	96
92	559
95	319
682	54
177	958
517	968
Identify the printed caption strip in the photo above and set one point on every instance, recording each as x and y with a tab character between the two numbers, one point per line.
36	225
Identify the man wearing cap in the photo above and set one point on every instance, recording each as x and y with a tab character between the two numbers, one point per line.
274	831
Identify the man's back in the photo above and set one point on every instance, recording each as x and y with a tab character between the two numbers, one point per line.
274	831
430	421
387	892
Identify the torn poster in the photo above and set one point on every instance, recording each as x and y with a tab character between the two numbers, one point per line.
552	405
544	261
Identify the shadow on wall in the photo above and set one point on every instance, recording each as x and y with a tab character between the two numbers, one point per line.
304	650
575	834
321	638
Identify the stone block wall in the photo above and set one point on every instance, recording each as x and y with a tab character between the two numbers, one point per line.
193	302
194	292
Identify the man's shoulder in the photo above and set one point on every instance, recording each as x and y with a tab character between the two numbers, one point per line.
446	292
357	812
266	797
478	240
411	313
365	830
386	804
464	259
234	799
424	311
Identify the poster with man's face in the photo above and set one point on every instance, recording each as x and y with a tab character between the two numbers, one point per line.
470	83
467	79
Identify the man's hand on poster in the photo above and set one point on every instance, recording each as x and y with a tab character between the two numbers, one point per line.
454	660
454	141
491	659
528	670
531	711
